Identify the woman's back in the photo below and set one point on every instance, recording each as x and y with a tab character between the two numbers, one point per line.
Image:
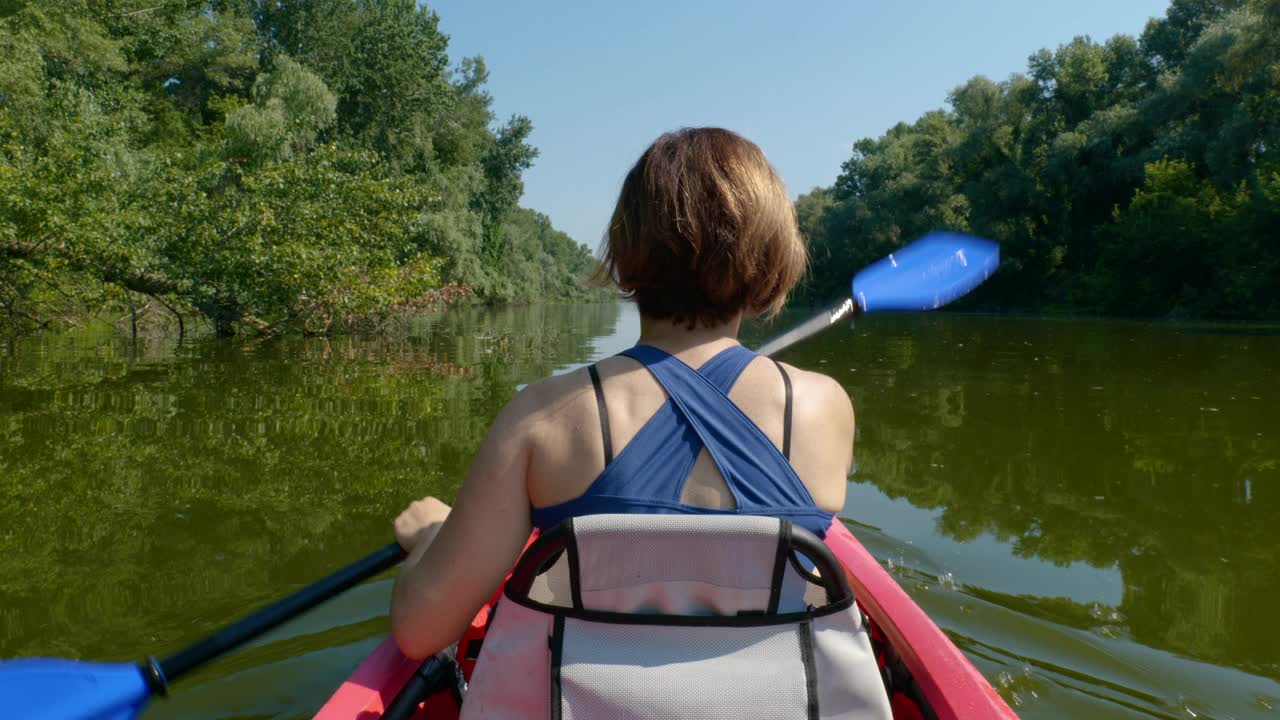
568	447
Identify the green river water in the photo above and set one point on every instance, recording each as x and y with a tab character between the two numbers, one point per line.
1091	509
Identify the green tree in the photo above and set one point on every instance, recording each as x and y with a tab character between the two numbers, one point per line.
1048	163
291	107
507	157
303	163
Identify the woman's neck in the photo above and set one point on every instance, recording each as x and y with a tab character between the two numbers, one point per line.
677	337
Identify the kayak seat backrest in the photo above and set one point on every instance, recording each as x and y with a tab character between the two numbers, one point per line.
677	616
708	566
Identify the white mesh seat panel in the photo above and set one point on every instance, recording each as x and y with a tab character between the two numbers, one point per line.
512	678
676	598
849	685
731	552
635	672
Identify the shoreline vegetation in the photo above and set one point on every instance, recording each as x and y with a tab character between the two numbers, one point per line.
324	167
315	166
1139	177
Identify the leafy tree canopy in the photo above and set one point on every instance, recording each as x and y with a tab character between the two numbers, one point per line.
1135	176
304	163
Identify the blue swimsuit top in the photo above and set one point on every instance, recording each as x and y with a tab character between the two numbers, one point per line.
649	475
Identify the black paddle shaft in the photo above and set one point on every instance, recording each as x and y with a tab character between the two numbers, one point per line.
160	673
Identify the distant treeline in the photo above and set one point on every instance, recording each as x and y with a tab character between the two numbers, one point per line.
309	164
1135	177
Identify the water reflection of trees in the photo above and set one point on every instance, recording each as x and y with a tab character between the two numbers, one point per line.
1143	447
148	494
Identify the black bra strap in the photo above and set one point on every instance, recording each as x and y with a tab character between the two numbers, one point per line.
604	412
786	413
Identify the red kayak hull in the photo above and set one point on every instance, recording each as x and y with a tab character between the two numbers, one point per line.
946	681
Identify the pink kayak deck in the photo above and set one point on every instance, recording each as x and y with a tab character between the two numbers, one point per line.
951	685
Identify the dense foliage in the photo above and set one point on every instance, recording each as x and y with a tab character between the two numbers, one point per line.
1136	176
301	163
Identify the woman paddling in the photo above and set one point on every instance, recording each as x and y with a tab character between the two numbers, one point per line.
703	233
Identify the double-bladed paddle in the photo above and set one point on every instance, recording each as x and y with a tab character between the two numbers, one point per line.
923	275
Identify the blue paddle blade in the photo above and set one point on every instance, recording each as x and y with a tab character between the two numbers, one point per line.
927	273
51	689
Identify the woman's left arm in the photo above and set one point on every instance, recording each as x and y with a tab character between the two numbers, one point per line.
458	558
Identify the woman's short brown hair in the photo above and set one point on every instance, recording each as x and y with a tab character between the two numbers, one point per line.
703	230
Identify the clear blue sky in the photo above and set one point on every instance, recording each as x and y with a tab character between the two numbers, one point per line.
601	79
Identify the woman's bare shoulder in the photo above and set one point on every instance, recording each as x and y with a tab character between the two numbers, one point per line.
549	396
819	395
822	437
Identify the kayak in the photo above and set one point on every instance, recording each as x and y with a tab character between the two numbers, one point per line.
927	675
